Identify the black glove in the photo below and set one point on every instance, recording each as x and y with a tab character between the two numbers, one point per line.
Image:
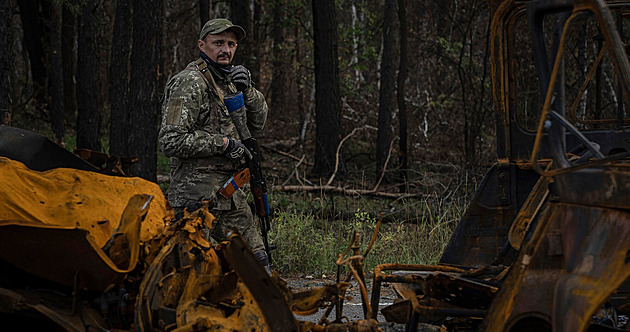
235	150
241	78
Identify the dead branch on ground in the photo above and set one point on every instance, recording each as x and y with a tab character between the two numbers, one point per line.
345	191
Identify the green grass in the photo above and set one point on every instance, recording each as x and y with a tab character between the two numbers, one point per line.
310	245
163	162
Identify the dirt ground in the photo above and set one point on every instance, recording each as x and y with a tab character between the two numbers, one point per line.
352	307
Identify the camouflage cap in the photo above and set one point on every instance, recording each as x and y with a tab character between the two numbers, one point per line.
218	25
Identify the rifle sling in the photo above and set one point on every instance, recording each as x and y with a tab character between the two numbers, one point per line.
205	71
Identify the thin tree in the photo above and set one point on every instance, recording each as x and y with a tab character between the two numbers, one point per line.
327	92
144	108
88	114
241	15
69	58
257	49
402	106
119	81
56	105
33	33
472	74
6	61
204	11
386	94
443	26
279	58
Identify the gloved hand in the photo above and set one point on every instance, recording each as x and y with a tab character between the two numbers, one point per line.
235	150
241	77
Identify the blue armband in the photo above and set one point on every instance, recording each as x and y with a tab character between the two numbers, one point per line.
234	101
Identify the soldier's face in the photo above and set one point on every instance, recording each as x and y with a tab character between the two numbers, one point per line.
220	47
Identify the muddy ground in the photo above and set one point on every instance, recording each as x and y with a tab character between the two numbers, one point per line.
352	307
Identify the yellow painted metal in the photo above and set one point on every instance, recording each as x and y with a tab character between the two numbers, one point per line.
308	302
77	228
72	198
69	256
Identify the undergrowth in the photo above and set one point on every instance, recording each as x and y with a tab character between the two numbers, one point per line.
310	245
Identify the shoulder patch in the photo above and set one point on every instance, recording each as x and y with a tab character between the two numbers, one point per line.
174	111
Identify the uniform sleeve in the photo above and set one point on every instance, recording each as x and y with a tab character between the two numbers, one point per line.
179	135
256	111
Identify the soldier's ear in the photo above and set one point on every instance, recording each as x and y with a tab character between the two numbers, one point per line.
200	44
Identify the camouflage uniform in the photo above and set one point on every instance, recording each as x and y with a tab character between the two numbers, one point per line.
194	122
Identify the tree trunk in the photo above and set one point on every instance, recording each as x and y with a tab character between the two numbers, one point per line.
257	43
6	61
304	112
144	108
280	63
386	94
56	105
88	116
327	92
68	52
356	31
443	26
402	106
119	82
241	15
29	14
204	12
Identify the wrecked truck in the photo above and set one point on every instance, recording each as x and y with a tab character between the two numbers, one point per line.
81	250
85	248
544	244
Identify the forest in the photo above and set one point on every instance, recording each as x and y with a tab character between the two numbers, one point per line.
408	80
387	98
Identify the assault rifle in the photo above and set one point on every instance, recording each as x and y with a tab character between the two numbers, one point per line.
236	107
259	191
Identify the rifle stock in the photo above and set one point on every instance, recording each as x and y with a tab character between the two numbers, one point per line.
235	183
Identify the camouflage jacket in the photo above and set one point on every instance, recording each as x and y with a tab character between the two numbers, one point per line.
194	122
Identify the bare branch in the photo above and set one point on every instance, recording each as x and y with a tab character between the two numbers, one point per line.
332	177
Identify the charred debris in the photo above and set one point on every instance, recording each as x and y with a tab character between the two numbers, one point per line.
543	246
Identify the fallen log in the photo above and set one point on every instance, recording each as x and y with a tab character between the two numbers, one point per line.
350	192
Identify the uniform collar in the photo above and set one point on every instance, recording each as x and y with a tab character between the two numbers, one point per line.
221	70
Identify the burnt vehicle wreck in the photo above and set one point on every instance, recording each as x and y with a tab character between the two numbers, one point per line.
543	246
81	250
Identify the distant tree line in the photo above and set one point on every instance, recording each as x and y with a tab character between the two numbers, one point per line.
402	82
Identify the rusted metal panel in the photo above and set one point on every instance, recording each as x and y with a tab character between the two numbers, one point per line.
193	287
484	227
571	231
601	186
269	297
308	302
528	212
591	266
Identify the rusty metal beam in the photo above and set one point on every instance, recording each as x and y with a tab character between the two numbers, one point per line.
268	296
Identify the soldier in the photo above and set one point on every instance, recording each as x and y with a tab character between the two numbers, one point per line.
198	135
